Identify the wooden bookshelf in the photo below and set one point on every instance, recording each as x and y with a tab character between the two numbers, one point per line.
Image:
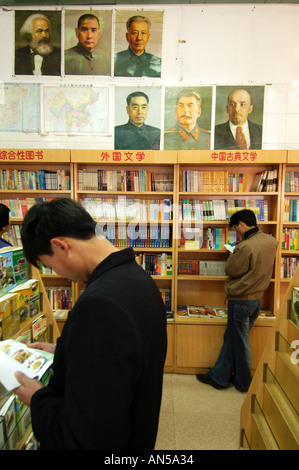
289	225
198	340
153	163
21	170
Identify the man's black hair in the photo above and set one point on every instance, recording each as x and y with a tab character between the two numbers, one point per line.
246	215
4	215
87	16
57	218
135	94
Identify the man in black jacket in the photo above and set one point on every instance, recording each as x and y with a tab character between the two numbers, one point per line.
105	392
239	106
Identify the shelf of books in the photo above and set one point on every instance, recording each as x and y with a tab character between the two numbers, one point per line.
130	195
25	317
28	176
212	186
289	246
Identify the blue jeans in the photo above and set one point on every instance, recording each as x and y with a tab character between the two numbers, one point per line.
234	360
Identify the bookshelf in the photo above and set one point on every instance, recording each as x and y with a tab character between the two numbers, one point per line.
30	175
289	227
130	194
212	185
146	192
27	176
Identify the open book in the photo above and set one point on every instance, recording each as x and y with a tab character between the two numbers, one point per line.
15	356
229	248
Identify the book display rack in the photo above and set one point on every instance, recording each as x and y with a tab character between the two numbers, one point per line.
25	317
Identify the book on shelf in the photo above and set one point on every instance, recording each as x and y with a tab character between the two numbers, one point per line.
288	266
294	314
18	307
14	268
20	180
201	311
27	300
15	418
126	209
220	209
9	434
166	297
159	264
60	298
124	180
291	210
137	235
290	239
212	238
20	206
291	182
201	267
16	356
210	311
265	181
216	181
13	235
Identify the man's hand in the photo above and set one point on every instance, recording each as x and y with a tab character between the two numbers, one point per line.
27	388
48	347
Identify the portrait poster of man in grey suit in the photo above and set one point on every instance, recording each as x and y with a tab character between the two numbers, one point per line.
37	42
239	117
137	118
138	43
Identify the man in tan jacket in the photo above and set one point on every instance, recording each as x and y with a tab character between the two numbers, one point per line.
249	269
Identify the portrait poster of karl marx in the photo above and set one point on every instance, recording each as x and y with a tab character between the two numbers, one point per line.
138	43
187	119
239	117
37	42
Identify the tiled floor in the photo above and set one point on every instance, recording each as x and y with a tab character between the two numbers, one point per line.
195	416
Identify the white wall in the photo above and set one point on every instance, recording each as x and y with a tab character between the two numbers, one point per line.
202	45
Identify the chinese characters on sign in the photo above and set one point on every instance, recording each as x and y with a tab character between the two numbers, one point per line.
21	155
123	157
233	156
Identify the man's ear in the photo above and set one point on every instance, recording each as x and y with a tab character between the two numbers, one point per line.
59	244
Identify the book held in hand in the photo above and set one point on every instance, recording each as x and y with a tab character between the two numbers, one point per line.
15	356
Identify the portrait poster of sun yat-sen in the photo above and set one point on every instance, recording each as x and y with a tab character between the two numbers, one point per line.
87	42
138	43
187	118
37	42
239	117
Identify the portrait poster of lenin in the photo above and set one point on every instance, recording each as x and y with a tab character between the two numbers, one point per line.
239	117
